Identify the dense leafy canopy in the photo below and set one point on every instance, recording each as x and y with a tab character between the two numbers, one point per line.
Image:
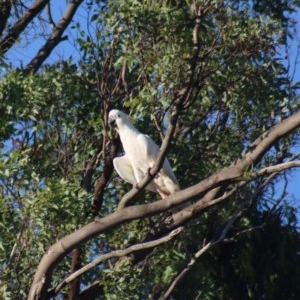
224	69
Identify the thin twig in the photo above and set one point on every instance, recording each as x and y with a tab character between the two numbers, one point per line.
161	134
49	14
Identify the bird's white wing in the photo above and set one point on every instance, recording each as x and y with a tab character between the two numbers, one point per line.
148	148
124	169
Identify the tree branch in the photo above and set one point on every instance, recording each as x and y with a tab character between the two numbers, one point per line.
233	173
49	14
15	31
76	262
116	253
276	169
5	10
105	177
273	170
55	38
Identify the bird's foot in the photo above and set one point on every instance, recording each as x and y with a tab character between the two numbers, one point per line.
148	172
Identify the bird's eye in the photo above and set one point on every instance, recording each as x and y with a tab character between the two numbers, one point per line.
119	116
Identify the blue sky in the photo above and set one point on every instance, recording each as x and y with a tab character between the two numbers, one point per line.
66	49
294	178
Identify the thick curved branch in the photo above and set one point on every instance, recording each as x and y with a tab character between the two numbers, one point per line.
55	38
233	173
266	140
116	253
15	31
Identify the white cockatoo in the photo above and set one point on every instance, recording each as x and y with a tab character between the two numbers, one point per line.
140	155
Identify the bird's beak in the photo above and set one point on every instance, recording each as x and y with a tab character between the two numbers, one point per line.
112	122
